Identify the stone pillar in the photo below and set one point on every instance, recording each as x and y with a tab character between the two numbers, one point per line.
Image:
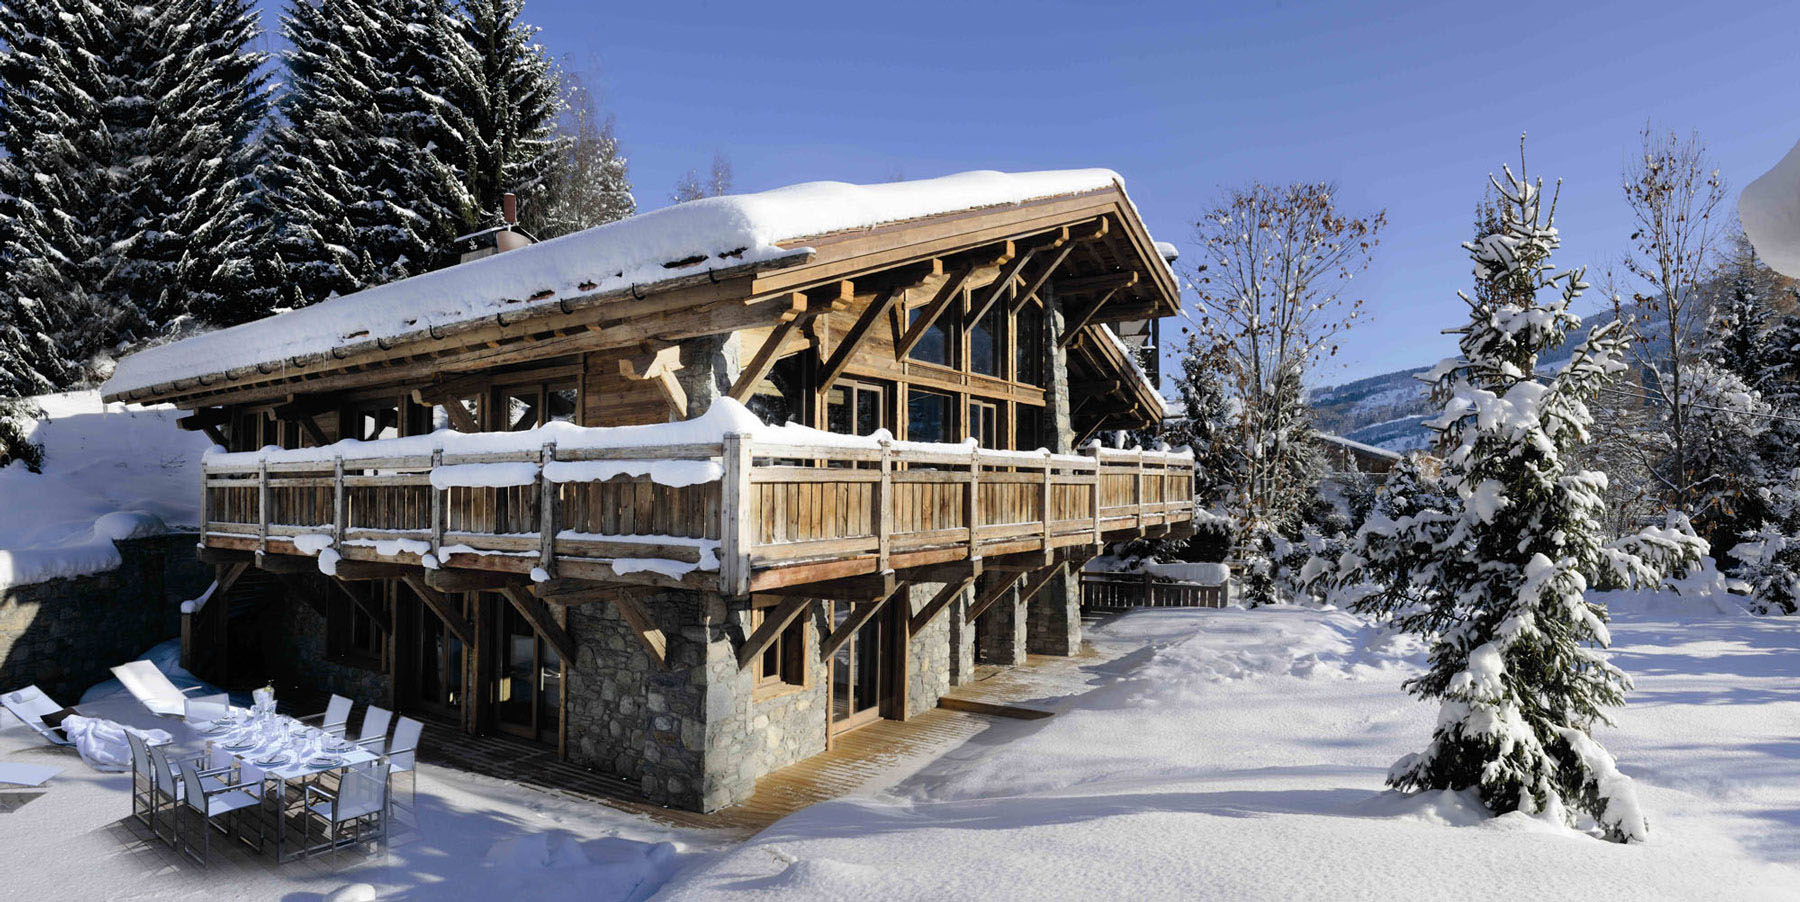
962	640
1054	621
931	654
709	365
1000	633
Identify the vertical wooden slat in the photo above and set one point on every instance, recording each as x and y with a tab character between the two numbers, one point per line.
337	502
262	505
546	511
884	508
437	508
735	523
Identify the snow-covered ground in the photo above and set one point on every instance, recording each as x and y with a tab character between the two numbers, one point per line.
1237	754
1201	754
111	471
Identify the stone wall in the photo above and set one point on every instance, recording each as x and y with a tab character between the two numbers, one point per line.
302	658
65	634
929	668
1000	631
1053	618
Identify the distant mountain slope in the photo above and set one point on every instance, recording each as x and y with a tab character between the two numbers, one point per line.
1387	410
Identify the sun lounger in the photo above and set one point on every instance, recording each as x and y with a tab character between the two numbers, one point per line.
151	687
30	705
32	775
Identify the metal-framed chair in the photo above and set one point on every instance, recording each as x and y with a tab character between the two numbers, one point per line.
359	806
374	729
403	753
143	782
168	786
335	719
208	804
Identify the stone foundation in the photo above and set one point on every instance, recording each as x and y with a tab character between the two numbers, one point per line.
65	634
1053	621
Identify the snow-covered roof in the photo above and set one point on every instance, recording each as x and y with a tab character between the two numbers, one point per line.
1356	446
1769	209
678	242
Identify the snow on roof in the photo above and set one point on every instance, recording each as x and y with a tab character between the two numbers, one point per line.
1354	445
1769	209
674	242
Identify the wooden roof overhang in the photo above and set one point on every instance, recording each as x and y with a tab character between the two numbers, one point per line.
1102	263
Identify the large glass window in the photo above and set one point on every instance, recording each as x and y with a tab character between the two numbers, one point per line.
928	417
1028	345
984	423
934	346
854	408
1028	428
984	342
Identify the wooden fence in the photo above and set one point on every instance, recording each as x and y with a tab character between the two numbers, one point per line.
1119	591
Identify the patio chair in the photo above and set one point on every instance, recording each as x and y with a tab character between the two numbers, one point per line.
402	755
335	719
30	705
208	803
143	782
168	784
206	708
359	805
152	688
374	729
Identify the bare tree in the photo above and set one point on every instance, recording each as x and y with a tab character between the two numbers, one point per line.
588	183
1276	262
717	182
1674	192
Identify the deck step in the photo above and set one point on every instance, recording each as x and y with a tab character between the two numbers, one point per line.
993	710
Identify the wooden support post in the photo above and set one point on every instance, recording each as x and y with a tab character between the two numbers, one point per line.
840	356
437	509
1073	330
1040	579
884	509
477	661
1138	492
774	621
262	505
972	504
1048	496
443	607
636	616
538	615
735	532
338	512
861	613
1094	493
947	294
547	519
992	594
1008	274
938	603
1037	282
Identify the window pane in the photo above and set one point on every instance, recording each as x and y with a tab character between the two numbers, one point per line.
934	346
564	404
1028	432
519	412
1028	344
837	411
928	417
868	411
984	343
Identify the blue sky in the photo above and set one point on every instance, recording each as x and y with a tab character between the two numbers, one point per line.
1406	106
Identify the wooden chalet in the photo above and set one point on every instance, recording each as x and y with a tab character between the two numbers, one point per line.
687	495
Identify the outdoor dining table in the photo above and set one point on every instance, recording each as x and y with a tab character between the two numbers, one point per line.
304	752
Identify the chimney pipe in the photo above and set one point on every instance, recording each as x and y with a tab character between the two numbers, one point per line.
509	208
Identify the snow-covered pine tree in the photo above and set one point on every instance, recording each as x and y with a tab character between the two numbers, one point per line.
587	184
1741	319
512	103
363	170
53	55
1496	576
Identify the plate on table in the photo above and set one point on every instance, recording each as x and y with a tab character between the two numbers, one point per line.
276	760
325	761
240	746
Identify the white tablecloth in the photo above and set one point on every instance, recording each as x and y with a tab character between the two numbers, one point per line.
291	749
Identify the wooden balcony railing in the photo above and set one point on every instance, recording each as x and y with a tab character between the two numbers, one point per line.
739	516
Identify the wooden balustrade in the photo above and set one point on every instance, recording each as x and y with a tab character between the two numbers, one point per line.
781	513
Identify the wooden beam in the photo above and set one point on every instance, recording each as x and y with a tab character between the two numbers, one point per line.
286	563
228	577
636	616
992	594
946	295
210	555
363	604
774	621
950	592
461	580
1001	284
442	607
1072	330
1039	580
1103	282
658	369
878	308
554	588
943	573
849	588
763	361
862	613
1037	281
540	618
359	571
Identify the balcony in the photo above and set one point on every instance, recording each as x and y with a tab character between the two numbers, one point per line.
744	514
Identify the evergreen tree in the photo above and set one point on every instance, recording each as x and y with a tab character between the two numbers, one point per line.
1495	572
1741	319
363	171
587	184
512	103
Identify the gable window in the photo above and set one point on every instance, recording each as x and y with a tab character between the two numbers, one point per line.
1028	345
928	417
